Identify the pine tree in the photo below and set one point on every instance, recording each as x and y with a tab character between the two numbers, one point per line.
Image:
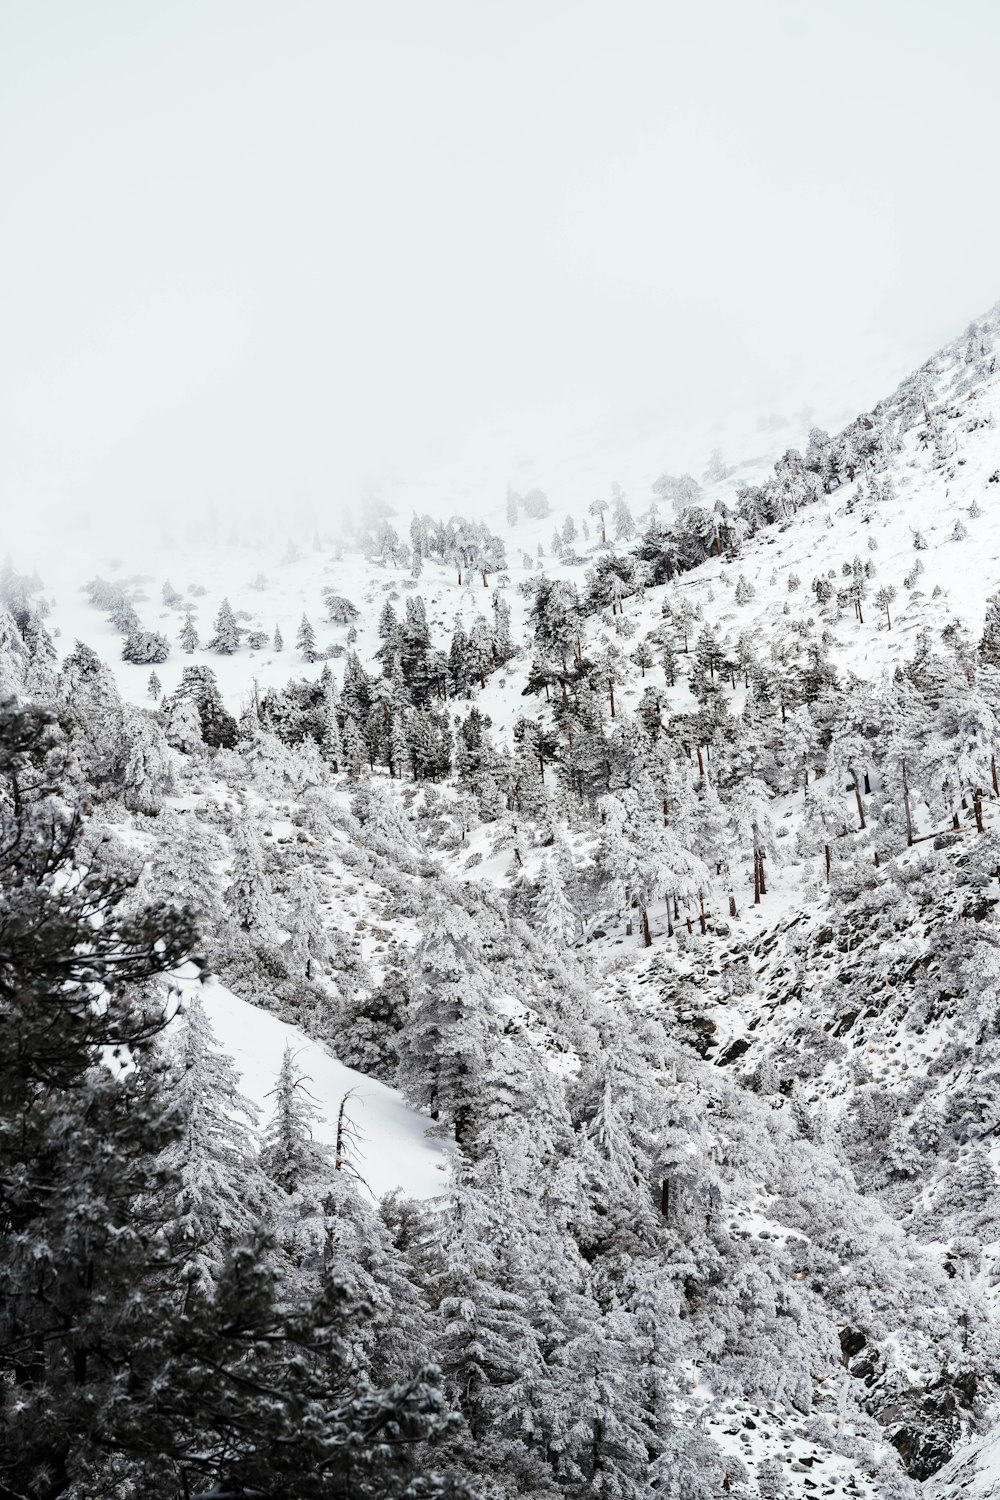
153	687
250	895
669	663
226	638
330	744
146	776
598	508
309	946
443	1046
642	656
184	867
145	647
884	597
183	728
554	916
216	1192
218	727
625	527
290	1154
305	639
352	746
279	644
189	635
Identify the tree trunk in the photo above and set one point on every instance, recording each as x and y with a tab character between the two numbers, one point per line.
611	690
647	936
827	848
993	773
906	808
857	793
756	878
732	907
701	913
701	763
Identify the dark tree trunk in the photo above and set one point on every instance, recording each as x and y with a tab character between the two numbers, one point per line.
857	793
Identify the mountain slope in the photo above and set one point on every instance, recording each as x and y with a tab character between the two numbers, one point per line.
664	890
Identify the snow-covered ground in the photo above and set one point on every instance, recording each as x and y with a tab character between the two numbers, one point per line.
389	1145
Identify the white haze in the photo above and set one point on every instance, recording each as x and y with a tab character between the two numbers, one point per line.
263	255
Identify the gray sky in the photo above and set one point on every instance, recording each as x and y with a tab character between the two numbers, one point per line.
261	252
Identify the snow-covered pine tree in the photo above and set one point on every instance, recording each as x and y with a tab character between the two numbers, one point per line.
226	636
218	727
554	917
147	773
217	1192
250	897
189	635
305	639
183	728
290	1154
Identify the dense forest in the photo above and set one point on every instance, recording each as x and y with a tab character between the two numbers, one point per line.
646	858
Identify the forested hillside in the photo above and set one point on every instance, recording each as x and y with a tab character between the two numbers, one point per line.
509	1004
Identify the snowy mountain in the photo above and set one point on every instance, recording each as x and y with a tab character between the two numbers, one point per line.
620	882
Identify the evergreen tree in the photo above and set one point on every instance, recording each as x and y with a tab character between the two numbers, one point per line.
290	1154
554	916
642	656
218	727
189	635
226	638
183	728
250	895
443	1047
146	775
305	639
145	647
216	1192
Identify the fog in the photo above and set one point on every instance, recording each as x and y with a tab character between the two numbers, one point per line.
260	255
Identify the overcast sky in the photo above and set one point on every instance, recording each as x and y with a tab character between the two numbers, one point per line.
260	252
